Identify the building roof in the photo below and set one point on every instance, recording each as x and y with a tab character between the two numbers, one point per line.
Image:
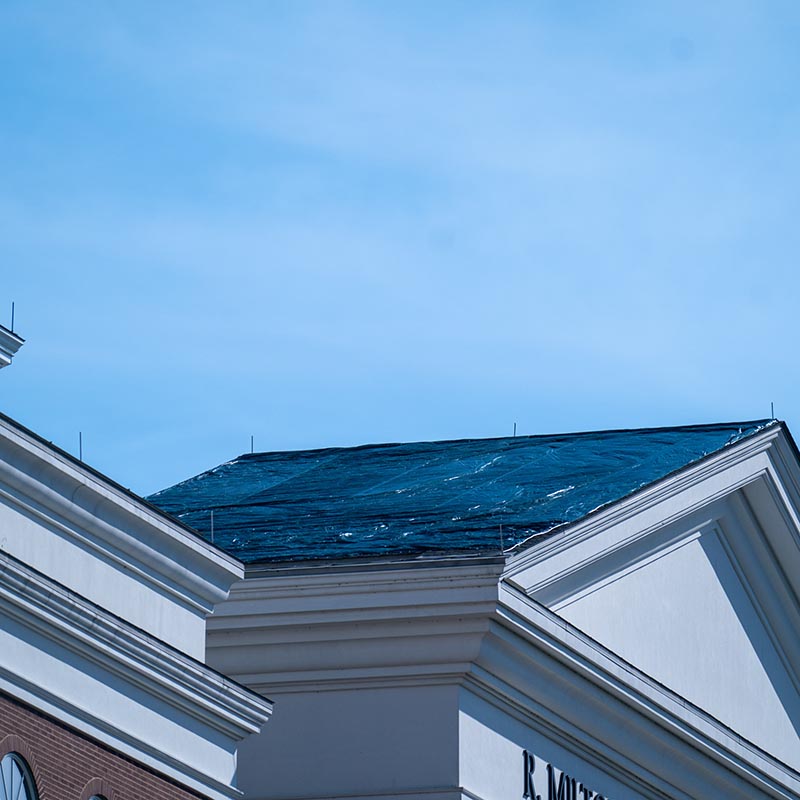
468	496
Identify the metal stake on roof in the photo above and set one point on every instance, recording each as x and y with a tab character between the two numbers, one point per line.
12	316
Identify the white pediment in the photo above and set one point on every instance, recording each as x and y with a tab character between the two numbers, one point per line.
695	582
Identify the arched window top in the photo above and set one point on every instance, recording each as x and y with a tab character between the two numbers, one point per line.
97	789
16	781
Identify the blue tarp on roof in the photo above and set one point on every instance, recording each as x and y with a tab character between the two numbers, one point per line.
472	495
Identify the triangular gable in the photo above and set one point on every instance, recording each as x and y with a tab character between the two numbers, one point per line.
694	581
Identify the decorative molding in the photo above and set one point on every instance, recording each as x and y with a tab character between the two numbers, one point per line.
599	687
532	712
272	632
764	581
214	712
177	679
743	505
465	626
100	516
9	344
111	735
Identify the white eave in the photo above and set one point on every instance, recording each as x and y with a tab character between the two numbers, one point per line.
121	526
9	344
175	677
106	653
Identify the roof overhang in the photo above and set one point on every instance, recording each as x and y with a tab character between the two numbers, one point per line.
101	540
9	344
92	670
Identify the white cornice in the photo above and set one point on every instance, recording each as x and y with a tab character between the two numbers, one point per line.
745	499
178	680
406	582
288	630
747	496
318	632
103	517
651	717
9	344
116	677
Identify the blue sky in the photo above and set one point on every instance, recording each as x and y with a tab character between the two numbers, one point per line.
329	223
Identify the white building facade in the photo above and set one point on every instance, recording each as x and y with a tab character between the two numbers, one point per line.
104	690
643	647
648	650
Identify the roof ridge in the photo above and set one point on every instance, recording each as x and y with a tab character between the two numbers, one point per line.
539	436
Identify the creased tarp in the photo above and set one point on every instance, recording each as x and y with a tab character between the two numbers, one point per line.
477	495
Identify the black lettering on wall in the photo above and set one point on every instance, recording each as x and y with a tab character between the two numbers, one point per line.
560	785
560	793
528	763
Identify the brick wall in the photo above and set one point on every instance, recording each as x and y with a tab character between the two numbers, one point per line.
67	765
